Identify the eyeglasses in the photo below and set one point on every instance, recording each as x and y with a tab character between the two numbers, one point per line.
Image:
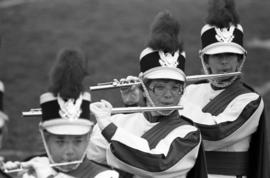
160	90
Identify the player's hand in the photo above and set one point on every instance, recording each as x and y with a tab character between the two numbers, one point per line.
102	111
130	95
38	167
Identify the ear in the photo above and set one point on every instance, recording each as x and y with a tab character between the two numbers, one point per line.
241	58
91	131
241	61
205	58
143	93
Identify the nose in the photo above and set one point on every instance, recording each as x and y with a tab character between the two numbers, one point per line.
168	93
223	59
69	151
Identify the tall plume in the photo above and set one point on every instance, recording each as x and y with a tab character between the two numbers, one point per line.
164	33
67	74
222	13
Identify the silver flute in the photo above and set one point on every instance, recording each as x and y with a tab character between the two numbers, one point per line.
190	79
37	111
8	171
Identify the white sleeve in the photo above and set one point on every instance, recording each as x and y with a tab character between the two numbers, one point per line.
108	174
238	121
173	156
97	146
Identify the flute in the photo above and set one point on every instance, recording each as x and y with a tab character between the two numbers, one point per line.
51	165
37	111
190	79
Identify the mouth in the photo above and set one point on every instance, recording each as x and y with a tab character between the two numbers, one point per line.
67	165
225	78
225	70
68	162
166	104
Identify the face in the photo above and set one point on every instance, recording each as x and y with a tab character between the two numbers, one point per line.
165	92
223	63
132	96
67	148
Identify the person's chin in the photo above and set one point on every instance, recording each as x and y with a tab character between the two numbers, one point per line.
68	168
224	80
166	112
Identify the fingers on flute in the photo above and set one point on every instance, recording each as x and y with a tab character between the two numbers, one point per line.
129	79
12	165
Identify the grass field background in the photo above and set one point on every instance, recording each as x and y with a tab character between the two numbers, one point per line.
112	33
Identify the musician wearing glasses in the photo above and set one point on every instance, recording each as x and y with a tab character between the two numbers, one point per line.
229	113
66	126
157	143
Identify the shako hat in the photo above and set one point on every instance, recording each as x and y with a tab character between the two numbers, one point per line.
222	32
65	107
163	58
66	117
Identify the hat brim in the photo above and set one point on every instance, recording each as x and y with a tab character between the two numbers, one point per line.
68	127
165	73
222	47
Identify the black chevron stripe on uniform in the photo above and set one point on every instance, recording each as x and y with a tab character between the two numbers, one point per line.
156	162
220	131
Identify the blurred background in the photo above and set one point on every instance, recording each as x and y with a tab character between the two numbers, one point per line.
112	34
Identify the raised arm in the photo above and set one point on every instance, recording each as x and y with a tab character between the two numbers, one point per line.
172	154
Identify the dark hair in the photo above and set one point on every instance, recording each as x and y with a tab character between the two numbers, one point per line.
149	81
48	134
67	74
206	56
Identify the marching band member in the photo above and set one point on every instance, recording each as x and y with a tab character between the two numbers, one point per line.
159	143
66	127
228	112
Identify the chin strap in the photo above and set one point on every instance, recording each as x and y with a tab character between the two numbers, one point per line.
223	84
50	157
150	99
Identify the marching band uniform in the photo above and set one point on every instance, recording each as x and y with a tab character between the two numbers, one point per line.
146	145
230	115
164	146
86	169
228	119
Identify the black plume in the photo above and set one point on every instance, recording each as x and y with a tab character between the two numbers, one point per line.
222	13
68	73
164	33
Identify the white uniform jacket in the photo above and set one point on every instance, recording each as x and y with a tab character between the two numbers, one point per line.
227	119
165	148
